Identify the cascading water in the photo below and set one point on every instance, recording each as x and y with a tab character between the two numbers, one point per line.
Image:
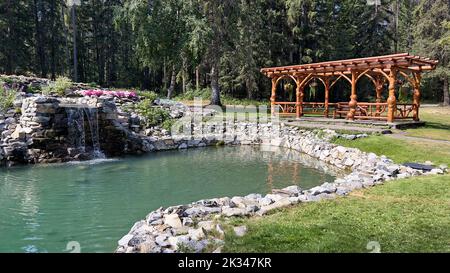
76	122
75	125
92	117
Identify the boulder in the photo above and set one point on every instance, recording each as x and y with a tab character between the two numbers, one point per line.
173	220
240	231
229	212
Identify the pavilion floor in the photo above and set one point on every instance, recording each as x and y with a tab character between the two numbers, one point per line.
369	126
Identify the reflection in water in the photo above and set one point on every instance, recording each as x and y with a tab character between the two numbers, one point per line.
42	208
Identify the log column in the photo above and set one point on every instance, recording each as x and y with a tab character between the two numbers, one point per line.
299	99
353	98
273	96
327	97
379	91
416	96
392	100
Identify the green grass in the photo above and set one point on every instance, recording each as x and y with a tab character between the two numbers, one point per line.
401	151
437	124
410	215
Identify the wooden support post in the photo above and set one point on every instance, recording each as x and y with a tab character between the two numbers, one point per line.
273	96
392	100
327	97
379	91
416	96
299	100
353	98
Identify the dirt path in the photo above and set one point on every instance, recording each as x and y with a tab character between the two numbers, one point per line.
403	135
335	127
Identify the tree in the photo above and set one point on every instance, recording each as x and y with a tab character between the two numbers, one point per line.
432	39
16	30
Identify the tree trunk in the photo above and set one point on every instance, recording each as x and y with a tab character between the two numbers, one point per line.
66	66
446	92
172	83
75	51
197	78
249	90
215	90
164	75
39	40
53	47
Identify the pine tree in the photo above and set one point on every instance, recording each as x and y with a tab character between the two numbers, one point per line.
431	39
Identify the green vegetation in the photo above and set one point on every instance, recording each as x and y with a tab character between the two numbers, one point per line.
153	115
410	215
401	151
149	95
7	97
180	45
437	124
205	94
59	87
406	150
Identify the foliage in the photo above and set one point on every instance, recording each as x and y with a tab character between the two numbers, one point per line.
142	43
153	115
167	124
7	97
58	87
204	94
149	95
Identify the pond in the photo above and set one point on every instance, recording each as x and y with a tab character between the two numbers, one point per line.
95	203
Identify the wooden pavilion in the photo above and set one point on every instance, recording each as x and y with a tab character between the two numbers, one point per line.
380	70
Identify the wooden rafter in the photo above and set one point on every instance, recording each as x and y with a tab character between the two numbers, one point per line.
384	63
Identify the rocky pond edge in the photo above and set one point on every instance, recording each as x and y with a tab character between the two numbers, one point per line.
196	227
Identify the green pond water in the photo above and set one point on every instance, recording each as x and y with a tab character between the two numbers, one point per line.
95	203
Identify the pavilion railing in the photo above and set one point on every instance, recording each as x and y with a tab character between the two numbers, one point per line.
405	111
377	111
286	108
364	110
317	108
308	108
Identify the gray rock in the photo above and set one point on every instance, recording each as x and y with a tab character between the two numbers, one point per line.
229	212
173	220
125	239
161	240
240	231
206	225
183	146
197	234
265	201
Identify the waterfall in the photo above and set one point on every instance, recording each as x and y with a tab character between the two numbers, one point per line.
75	126
92	117
77	120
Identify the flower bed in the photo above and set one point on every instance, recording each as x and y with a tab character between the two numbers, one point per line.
99	93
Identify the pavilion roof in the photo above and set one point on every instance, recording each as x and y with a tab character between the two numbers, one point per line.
403	61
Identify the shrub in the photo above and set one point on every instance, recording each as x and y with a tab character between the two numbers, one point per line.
59	87
7	97
150	95
153	116
204	94
167	124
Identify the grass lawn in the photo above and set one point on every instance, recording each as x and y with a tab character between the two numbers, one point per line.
402	151
437	123
409	215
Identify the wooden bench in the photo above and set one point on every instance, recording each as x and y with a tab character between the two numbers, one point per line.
342	108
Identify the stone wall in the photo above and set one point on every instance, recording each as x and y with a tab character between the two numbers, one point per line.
40	132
